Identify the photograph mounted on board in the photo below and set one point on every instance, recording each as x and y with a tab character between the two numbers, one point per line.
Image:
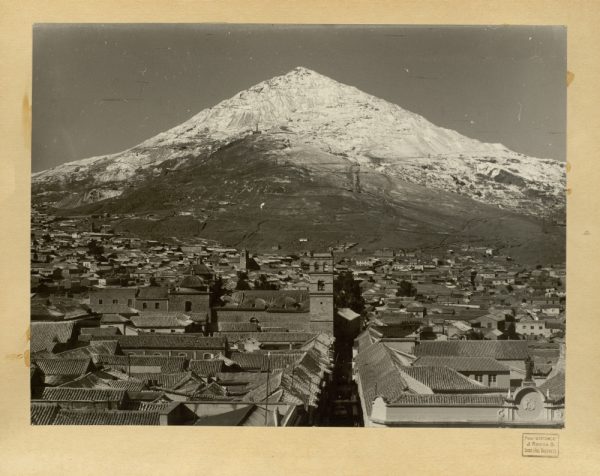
298	225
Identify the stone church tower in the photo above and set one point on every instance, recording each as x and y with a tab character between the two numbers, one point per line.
321	292
243	260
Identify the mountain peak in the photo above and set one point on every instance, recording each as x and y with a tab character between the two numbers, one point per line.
314	112
301	70
300	78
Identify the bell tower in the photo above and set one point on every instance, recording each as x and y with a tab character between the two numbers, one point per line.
321	292
243	266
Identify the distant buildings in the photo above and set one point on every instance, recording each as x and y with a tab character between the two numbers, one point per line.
133	331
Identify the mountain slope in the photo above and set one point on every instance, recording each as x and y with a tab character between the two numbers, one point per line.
259	193
316	111
318	155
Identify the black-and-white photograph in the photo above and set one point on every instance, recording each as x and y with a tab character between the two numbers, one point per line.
298	225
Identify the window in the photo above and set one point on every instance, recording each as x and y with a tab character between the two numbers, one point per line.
492	379
207	356
479	378
152	330
144	306
182	354
115	301
172	331
99	301
532	327
156	305
320	285
188	306
130	302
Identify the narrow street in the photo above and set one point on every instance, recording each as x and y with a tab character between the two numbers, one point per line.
343	407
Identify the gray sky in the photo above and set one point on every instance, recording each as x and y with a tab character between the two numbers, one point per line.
99	89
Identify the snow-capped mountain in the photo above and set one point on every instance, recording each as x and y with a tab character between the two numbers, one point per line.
311	112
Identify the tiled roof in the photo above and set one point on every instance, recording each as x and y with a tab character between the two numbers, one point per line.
113	319
364	340
130	385
231	418
107	417
201	317
164	380
501	350
72	367
170	341
347	313
260	360
153	406
43	413
161	320
63	394
41	310
96	348
257	389
201	268
163	362
44	334
240	378
59	308
395	331
89	380
455	400
555	386
213	391
268	337
463	364
443	379
237	327
206	368
379	375
99	331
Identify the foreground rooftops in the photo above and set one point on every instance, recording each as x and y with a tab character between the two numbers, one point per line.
463	364
500	350
166	341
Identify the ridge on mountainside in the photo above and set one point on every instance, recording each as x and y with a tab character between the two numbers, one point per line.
305	128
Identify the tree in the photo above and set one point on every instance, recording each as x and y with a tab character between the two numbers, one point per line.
347	292
242	284
406	289
94	248
217	291
263	283
427	334
473	275
510	333
474	335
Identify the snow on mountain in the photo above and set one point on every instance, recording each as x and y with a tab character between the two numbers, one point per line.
314	111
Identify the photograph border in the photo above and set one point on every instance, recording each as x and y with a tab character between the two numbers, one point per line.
131	450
